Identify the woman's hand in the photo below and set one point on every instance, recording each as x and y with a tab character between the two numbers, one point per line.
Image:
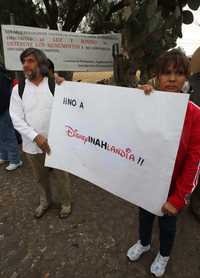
169	209
148	89
58	79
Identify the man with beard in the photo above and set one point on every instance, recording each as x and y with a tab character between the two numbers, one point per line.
30	110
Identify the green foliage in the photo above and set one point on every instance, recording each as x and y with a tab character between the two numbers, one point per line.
151	8
31	14
187	17
193	4
160	25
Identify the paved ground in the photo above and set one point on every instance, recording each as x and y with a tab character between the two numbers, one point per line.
91	243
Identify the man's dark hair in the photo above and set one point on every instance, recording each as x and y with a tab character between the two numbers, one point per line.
40	57
45	66
50	65
173	57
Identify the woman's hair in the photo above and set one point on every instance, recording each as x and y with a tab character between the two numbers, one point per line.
173	57
40	57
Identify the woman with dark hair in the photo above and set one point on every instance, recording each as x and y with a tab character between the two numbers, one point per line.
9	150
172	71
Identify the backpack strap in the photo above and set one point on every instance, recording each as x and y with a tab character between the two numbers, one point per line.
21	87
52	84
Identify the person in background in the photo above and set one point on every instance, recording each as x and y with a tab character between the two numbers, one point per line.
194	91
30	110
172	72
53	74
9	149
194	78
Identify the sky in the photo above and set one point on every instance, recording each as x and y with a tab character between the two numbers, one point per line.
191	35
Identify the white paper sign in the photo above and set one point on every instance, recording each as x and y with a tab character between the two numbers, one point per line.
68	51
118	138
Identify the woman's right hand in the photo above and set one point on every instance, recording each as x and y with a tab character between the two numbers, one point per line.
148	89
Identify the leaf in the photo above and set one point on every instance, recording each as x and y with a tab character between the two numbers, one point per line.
194	4
155	22
151	8
187	17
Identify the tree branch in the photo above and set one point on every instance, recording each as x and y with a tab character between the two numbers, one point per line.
116	7
52	13
75	18
69	14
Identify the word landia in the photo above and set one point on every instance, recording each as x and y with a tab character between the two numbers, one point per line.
124	153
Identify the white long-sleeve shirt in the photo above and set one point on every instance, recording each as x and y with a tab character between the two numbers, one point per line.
31	114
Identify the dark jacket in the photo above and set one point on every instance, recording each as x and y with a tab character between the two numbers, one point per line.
5	91
194	81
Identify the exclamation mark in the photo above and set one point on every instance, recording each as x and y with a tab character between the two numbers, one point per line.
140	161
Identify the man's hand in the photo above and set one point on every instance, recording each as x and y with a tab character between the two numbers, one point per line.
169	209
42	143
148	89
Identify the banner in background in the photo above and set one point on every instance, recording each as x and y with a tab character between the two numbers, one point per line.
69	51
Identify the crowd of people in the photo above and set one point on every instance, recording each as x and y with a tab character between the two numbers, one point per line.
26	108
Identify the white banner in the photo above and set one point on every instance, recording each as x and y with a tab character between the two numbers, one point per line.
68	51
118	138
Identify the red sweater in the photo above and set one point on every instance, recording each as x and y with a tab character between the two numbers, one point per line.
187	165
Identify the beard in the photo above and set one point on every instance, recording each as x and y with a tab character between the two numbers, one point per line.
33	74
